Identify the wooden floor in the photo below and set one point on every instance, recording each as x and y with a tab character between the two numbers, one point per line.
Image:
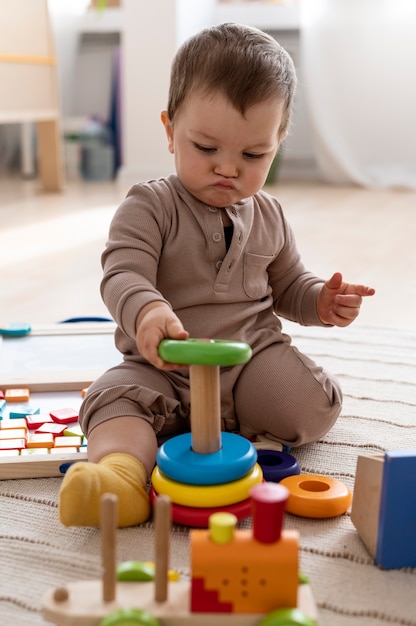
50	246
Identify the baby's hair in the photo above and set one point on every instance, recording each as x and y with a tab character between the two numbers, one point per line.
245	64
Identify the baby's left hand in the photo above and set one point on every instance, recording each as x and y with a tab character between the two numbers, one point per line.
339	303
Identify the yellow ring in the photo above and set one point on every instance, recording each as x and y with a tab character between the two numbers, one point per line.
316	496
201	496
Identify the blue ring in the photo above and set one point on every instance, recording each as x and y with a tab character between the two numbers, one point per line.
277	465
180	463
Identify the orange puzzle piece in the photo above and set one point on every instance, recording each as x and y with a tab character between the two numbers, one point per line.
17	395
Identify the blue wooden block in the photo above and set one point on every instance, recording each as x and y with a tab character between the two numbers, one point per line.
23	410
396	544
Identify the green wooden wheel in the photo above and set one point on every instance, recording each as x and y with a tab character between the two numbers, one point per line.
204	352
287	617
130	617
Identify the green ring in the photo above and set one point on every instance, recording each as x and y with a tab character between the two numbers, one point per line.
287	617
198	352
130	617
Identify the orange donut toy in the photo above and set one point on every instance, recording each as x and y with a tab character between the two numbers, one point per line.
316	496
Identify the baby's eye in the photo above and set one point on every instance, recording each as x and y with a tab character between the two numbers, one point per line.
250	155
206	149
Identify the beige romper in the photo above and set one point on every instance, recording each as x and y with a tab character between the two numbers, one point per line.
165	245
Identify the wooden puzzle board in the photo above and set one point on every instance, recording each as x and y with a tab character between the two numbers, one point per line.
43	466
58	357
55	362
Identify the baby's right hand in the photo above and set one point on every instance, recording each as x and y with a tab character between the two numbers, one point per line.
157	321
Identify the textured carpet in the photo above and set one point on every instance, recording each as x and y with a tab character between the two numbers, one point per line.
377	369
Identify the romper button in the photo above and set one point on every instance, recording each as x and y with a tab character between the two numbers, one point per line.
213	209
218	265
217	236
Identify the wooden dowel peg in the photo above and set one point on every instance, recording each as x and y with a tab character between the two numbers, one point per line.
162	538
109	514
205	408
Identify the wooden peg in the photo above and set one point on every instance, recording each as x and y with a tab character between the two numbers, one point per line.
162	536
108	520
205	408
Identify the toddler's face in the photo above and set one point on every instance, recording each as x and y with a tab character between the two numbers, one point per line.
222	156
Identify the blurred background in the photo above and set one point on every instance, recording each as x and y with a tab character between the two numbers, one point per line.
84	81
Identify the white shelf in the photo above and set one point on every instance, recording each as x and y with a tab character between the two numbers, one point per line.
109	20
265	15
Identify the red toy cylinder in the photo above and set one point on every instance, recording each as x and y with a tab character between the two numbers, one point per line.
268	507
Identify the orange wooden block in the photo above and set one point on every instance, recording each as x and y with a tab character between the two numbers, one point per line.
8	453
68	442
13	424
17	395
12	444
40	440
13	433
253	577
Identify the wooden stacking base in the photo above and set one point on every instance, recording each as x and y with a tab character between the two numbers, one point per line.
84	606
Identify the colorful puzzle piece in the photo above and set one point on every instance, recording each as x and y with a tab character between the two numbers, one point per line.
23	411
13	433
12	444
37	420
17	395
12	424
64	416
40	440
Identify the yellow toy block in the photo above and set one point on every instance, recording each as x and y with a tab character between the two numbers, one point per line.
40	440
73	430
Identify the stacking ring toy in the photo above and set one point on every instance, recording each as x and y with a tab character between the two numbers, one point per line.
277	465
316	496
199	517
207	495
204	352
179	462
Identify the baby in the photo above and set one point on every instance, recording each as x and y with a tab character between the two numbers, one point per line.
206	253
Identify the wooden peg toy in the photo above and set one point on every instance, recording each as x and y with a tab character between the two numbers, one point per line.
259	574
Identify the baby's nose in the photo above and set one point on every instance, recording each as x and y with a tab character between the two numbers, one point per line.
226	167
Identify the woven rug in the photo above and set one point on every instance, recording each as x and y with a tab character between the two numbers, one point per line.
377	369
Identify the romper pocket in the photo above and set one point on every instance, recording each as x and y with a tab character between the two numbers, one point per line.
256	278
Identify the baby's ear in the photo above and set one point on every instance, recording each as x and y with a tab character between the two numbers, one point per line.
168	129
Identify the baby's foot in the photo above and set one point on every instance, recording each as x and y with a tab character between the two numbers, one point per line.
85	483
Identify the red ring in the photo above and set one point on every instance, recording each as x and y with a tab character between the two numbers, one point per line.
199	517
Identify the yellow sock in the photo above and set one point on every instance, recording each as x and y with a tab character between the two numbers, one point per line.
84	484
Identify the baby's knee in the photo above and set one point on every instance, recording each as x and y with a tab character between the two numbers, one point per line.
319	414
